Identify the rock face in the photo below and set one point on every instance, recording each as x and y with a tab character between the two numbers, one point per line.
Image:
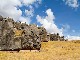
1	18
17	35
43	34
56	37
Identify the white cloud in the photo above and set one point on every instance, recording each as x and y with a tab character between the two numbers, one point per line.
72	3
69	37
30	12
9	8
29	2
25	19
48	22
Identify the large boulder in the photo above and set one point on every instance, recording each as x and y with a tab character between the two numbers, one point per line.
1	18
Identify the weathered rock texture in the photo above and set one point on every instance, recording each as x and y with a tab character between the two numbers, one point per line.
17	35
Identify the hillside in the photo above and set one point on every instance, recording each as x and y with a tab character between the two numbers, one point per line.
52	50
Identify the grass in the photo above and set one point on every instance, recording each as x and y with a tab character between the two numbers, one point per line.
52	50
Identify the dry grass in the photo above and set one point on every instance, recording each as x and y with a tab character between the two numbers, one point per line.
49	51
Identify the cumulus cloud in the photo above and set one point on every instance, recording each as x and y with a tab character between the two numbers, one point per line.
10	8
48	22
72	3
69	37
29	2
30	12
25	19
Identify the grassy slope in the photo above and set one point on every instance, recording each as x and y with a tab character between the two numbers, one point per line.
49	51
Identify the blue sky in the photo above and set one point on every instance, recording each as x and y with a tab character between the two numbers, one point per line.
64	14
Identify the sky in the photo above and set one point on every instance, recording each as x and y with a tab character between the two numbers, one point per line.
56	16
